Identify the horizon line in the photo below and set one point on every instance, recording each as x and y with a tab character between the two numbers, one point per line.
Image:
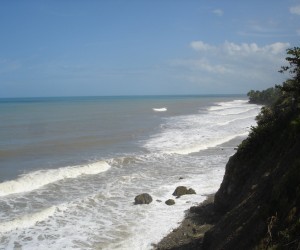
138	95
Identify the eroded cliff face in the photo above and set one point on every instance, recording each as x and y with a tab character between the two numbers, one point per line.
259	199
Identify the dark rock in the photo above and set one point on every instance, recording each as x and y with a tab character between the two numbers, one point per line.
179	191
191	191
182	190
143	199
170	202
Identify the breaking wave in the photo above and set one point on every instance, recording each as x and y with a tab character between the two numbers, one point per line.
37	179
160	109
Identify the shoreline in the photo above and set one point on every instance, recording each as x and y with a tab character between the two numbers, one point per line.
198	219
190	232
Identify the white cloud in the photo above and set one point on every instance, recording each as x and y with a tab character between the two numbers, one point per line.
203	65
276	48
295	10
245	49
241	67
201	46
218	12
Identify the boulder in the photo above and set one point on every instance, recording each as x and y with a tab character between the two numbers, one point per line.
170	202
191	191
143	199
182	190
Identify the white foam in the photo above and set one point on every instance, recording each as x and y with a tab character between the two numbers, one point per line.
146	230
37	179
229	105
27	220
160	109
192	133
197	148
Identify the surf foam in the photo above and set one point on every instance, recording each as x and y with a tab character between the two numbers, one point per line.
192	133
160	109
40	178
27	220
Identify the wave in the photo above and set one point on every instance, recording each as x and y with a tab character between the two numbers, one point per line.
192	133
234	111
160	109
235	120
40	178
27	220
196	148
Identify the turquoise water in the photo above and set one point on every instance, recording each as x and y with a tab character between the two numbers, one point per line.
76	164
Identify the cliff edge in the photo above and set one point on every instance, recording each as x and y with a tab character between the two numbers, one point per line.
259	198
258	202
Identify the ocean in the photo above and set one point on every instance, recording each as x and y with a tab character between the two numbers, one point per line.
71	167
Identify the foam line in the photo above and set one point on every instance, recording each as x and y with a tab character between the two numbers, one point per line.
37	179
27	220
197	148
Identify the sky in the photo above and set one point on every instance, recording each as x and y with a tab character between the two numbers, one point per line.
144	47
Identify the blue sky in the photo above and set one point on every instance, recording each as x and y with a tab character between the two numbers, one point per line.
143	47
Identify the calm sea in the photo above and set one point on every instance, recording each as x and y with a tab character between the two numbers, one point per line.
71	167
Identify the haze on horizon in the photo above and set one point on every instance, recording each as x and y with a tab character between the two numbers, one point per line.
84	48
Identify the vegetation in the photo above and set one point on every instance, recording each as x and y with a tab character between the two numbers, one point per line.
265	97
282	102
259	198
290	89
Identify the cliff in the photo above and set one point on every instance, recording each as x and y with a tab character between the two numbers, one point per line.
258	203
259	199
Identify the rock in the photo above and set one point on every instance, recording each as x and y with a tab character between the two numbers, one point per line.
143	199
191	191
170	202
182	190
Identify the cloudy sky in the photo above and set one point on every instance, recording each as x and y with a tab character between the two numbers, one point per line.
143	47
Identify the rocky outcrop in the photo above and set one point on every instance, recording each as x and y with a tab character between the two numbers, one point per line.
143	199
182	190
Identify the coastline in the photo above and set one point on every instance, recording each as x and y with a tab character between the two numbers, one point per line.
198	219
190	232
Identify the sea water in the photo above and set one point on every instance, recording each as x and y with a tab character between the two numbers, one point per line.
71	167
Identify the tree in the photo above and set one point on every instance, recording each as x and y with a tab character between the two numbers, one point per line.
265	97
291	87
